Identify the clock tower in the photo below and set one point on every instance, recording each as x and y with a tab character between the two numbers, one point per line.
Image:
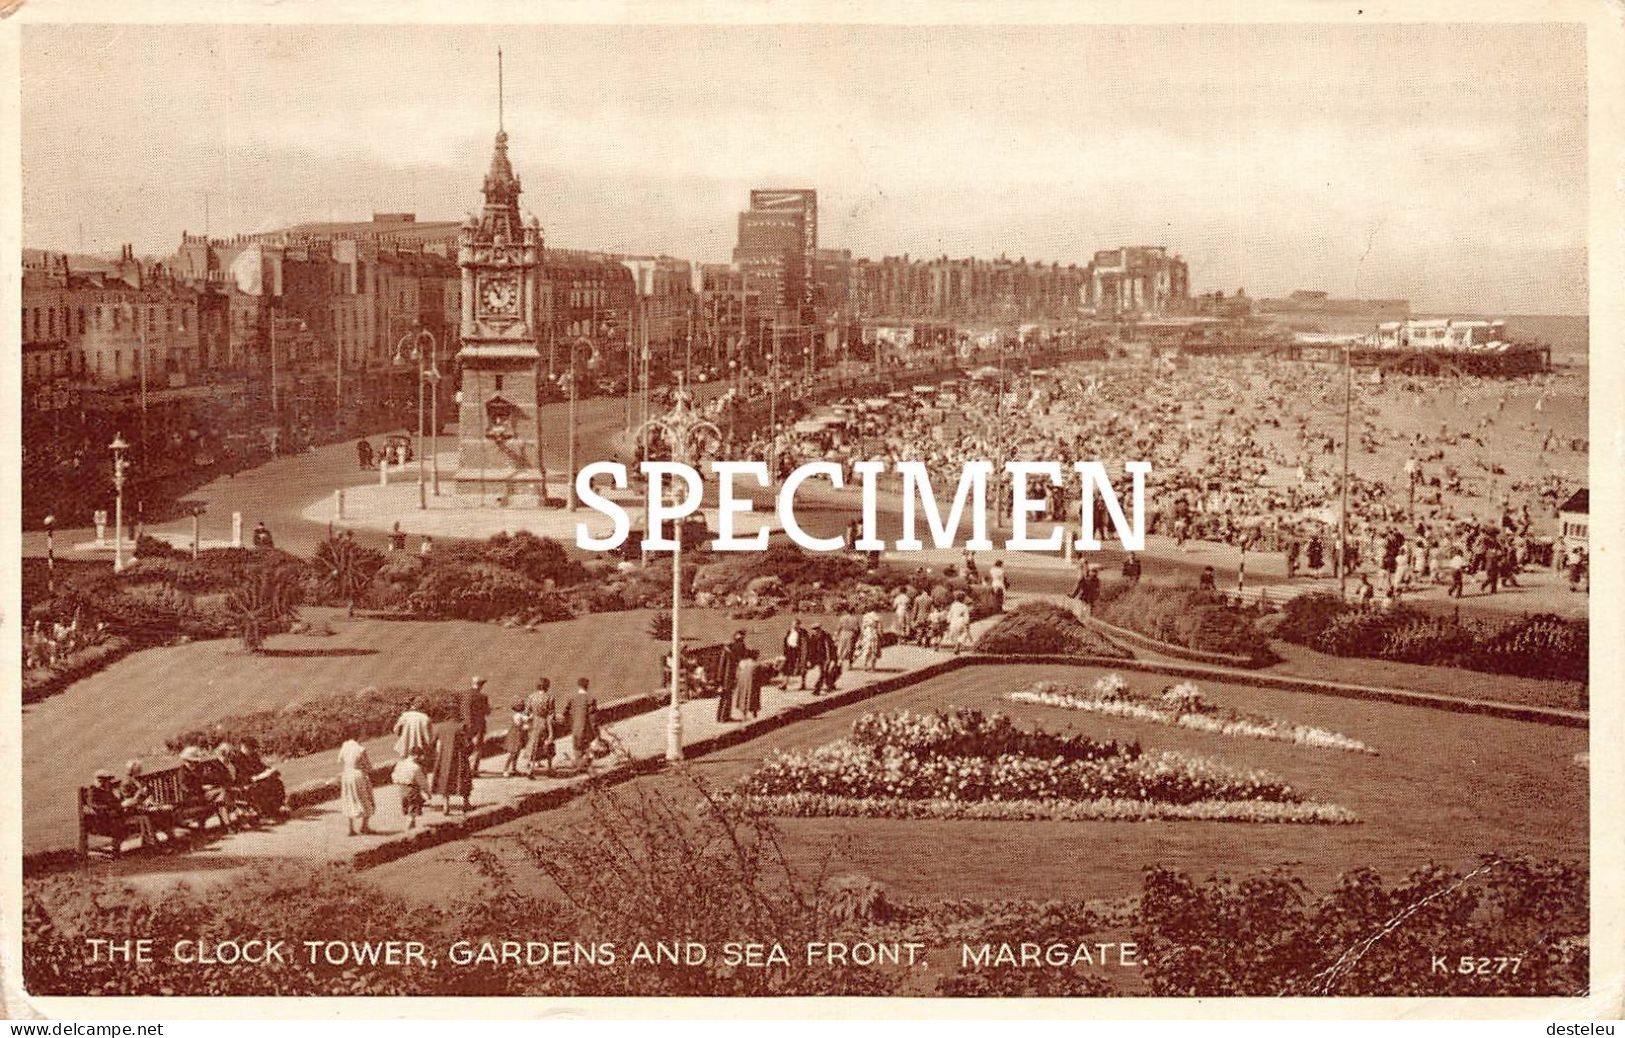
501	258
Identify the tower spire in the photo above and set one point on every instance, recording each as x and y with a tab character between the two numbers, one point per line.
499	89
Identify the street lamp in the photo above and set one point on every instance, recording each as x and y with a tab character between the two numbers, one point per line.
120	465
684	428
429	375
733	400
50	553
197	514
570	486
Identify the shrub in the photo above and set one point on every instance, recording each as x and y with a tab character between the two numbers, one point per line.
343	570
307	902
1540	646
1266	936
538	559
266	603
450	589
1304	617
1189	617
150	547
321	723
1042	629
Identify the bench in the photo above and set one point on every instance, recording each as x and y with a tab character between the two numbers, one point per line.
166	796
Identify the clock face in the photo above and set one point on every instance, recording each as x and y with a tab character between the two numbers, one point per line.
500	295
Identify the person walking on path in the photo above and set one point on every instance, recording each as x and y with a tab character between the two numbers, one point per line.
1131	568
412	730
583	723
868	651
452	776
958	636
921	617
412	783
733	654
795	655
747	689
473	710
821	654
846	637
1087	591
516	738
899	604
355	786
539	747
999	581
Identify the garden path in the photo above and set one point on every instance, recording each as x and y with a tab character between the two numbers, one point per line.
319	832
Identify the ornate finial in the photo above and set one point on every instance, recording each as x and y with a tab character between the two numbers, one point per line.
500	127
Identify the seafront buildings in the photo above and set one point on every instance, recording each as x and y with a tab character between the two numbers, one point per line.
341	295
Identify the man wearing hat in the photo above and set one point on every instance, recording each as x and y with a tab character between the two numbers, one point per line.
473	708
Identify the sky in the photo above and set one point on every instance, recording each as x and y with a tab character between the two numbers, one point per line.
1444	164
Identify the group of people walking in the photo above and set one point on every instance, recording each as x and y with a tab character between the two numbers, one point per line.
442	759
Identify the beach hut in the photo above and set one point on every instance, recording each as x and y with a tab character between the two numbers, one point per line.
1574	518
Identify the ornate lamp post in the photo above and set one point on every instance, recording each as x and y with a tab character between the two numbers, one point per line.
120	465
687	434
427	375
570	485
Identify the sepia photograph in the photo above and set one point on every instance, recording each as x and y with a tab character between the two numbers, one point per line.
681	508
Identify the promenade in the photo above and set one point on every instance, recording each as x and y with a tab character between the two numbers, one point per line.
318	831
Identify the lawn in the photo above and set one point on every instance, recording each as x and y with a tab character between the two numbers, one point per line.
1446	787
129	709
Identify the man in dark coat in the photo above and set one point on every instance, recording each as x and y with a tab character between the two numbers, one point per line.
583	722
473	708
1087	589
821	654
452	776
733	654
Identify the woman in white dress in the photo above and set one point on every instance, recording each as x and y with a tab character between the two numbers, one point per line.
958	636
355	785
868	653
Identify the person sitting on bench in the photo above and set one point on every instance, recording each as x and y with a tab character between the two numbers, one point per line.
137	799
109	813
205	781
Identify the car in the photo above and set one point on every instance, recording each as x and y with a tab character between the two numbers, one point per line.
399	444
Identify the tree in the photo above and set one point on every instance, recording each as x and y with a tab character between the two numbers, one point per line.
344	569
267	600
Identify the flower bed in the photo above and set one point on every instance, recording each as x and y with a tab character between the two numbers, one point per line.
965	764
1182	706
821	805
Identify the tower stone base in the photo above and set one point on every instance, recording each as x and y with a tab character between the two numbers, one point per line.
499	450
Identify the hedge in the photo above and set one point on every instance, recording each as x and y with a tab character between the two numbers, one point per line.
323	723
1186	616
1535	646
1044	629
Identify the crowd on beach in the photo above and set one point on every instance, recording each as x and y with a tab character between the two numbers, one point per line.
1249	453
